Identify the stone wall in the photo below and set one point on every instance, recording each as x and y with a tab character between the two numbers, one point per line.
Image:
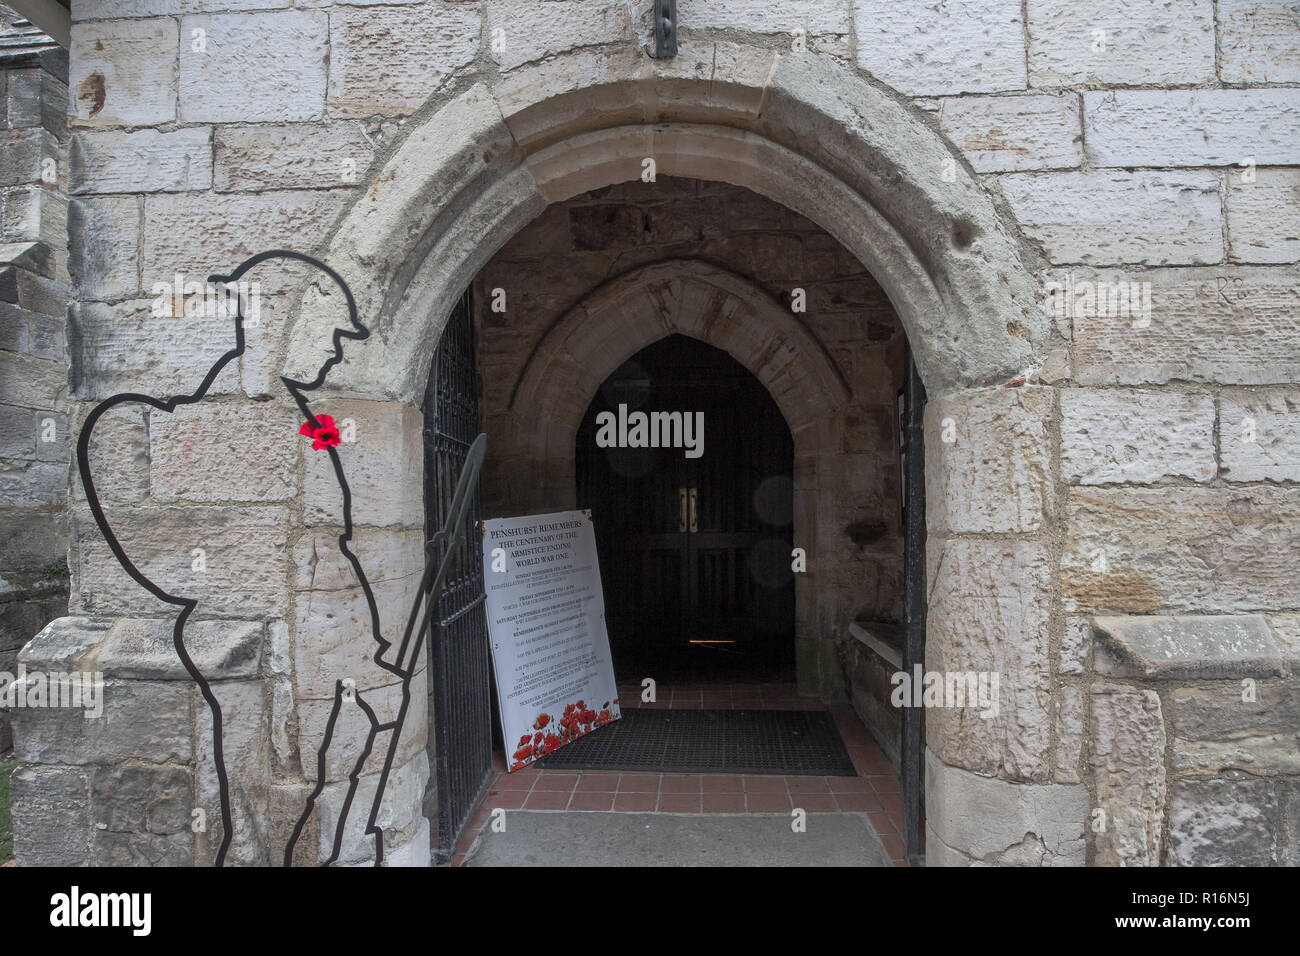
846	475
33	357
1021	180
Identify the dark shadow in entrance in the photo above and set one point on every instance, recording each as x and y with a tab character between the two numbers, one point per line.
695	552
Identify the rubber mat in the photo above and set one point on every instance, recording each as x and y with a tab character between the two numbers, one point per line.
794	742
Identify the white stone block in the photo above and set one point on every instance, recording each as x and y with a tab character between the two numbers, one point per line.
1264	216
1259	434
1192	127
254	67
389	60
1116	218
951	46
1259	41
1014	133
1138	43
111	161
1138	436
123	72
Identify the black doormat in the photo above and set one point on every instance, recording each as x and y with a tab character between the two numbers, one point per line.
796	742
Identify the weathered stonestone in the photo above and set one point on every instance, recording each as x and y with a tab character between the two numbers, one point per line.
414	852
951	47
1151	217
384	467
1204	550
1259	435
123	73
118	453
1222	821
245	745
30	484
1285	629
243	561
1148	43
198	235
1075	646
1179	648
1127	737
988	613
128	348
289	157
1069	734
974	819
1289	841
1191	127
534	29
249	61
66	644
1217	728
25	380
104	238
33	214
51	816
36	97
352	730
1258	41
335	639
994	474
144	649
25	153
286	806
242	451
1137	436
1230	324
111	848
399	814
388	60
142	720
1014	133
142	161
142	798
1262	215
811	16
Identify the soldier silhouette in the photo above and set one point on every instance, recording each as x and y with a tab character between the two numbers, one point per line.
325	437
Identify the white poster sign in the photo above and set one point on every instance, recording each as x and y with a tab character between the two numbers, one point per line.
546	621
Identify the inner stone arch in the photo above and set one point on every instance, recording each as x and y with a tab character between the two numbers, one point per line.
599	277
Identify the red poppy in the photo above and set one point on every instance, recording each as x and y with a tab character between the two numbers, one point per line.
326	435
537	738
541	721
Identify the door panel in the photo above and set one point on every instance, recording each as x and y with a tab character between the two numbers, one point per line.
694	551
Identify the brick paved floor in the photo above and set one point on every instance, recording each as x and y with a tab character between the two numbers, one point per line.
875	791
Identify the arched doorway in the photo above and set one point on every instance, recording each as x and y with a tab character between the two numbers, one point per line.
694	542
829	143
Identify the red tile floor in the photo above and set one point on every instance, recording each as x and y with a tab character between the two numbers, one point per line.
874	791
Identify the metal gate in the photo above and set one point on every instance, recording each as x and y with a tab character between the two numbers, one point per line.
460	705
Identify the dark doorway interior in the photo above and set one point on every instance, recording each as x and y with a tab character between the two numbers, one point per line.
694	552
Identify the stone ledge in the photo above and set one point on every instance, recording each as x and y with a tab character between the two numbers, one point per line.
1186	647
882	639
141	648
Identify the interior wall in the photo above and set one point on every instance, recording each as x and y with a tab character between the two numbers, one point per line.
848	516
